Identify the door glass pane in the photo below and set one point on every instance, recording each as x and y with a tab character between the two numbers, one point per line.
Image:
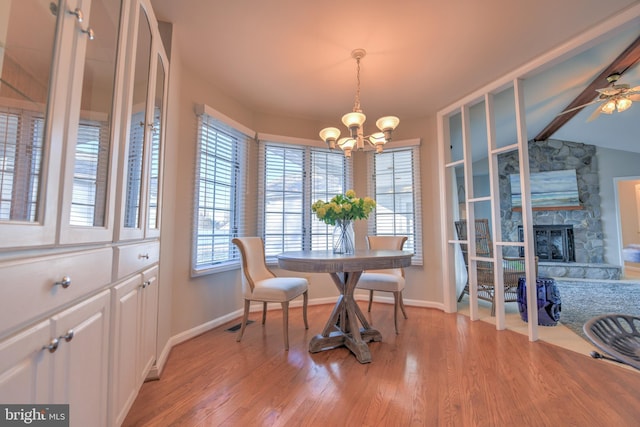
135	162
25	66
88	202
155	147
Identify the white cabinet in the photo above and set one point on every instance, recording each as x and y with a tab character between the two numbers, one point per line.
63	359
133	352
82	107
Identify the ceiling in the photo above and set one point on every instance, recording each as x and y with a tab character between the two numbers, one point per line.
293	58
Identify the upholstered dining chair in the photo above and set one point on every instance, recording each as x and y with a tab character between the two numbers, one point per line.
389	280
260	284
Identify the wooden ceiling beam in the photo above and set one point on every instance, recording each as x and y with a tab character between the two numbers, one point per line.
622	63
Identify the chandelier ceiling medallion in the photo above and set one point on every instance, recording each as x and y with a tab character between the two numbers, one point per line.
354	121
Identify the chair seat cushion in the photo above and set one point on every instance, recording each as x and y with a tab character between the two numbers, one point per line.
381	282
279	289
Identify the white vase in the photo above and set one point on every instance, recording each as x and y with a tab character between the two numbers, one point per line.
344	237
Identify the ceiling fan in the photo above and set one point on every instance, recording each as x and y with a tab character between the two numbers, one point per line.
613	97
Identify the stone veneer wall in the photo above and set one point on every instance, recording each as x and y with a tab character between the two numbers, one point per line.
559	155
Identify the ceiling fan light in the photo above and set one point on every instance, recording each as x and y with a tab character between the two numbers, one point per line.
608	107
623	104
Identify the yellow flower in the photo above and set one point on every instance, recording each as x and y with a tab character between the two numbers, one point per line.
343	207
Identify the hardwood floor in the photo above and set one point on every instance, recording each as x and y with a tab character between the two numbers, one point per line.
442	369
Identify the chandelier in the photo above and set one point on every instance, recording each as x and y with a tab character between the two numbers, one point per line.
354	121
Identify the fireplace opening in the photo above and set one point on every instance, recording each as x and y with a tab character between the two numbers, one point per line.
551	242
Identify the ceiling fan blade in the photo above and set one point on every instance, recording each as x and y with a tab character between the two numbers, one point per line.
595	114
579	107
634	96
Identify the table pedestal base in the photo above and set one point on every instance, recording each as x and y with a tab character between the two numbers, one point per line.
337	339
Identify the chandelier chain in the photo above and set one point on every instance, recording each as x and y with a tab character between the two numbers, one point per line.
356	105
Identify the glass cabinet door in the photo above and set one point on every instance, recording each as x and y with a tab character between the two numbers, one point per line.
132	214
87	214
26	64
141	189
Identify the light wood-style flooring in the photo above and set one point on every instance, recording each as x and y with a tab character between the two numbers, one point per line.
442	370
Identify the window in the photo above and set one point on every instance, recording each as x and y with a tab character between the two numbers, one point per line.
220	188
395	186
292	178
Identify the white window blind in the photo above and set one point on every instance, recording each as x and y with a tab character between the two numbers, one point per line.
395	185
91	168
134	171
154	169
293	177
21	137
219	194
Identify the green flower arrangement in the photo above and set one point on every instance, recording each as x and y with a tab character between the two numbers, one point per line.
343	207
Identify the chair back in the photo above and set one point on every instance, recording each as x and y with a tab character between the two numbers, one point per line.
254	267
387	242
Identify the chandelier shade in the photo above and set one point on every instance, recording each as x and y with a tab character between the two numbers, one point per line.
354	121
330	136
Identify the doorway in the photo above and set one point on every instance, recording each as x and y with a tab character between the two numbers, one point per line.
628	208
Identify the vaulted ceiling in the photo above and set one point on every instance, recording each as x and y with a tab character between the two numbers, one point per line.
293	58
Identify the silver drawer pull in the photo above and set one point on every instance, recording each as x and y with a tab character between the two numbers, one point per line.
89	32
77	12
65	282
143	256
53	345
69	335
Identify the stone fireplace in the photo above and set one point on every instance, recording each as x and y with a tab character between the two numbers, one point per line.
586	226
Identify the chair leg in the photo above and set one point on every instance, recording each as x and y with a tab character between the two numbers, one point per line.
402	306
305	300
396	303
245	317
285	323
370	300
264	312
464	291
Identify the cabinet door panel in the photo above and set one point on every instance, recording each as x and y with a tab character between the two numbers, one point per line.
87	209
81	363
134	165
25	366
149	321
126	306
27	66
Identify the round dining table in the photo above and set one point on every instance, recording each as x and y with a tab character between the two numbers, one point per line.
347	325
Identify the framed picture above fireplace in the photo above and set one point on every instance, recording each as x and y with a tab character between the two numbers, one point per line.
551	190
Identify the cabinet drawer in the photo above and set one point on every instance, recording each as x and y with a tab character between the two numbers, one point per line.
133	258
32	287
